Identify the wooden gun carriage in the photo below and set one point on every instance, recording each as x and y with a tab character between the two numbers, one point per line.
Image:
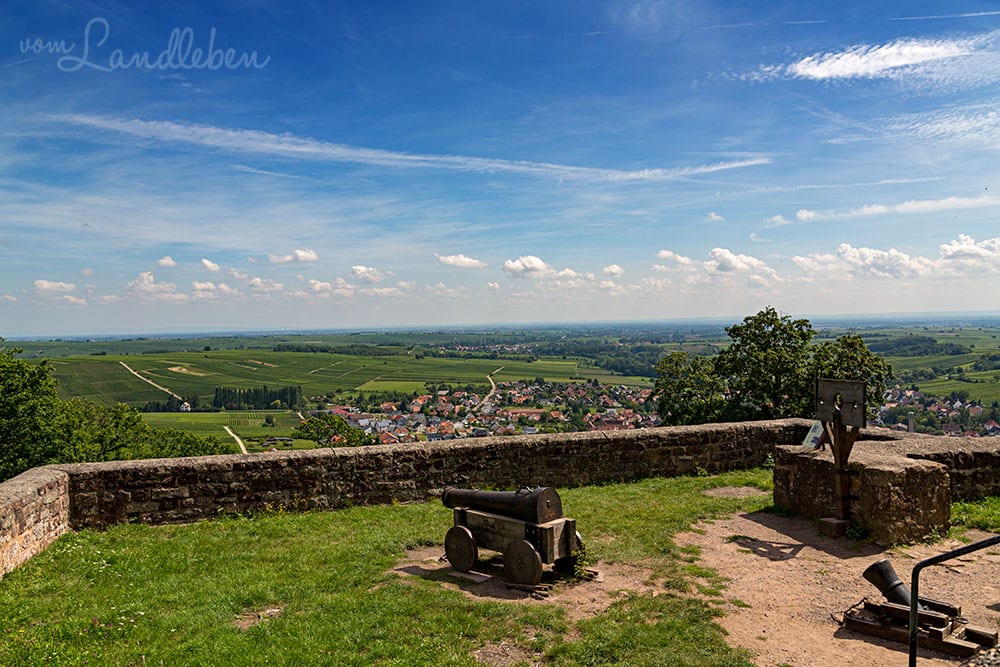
526	526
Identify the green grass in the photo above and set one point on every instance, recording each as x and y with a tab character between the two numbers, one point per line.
247	424
983	514
136	595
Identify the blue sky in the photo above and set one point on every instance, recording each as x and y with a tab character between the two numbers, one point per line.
255	165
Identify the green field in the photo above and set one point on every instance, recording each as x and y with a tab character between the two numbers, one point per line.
405	362
247	424
103	379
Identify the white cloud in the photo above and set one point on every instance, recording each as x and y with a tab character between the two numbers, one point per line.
777	221
210	265
367	274
613	271
493	286
145	285
966	249
527	266
714	217
724	260
207	291
530	266
86	272
890	263
75	300
912	207
384	292
679	260
319	286
442	290
339	287
265	285
53	287
972	125
10	298
461	261
295	256
868	61
312	149
167	261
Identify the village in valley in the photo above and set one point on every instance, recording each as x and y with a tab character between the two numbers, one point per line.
530	407
524	407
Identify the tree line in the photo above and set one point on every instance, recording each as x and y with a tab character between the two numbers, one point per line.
257	398
767	372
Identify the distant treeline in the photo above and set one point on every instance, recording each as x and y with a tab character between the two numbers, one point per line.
990	362
172	404
256	398
915	346
357	350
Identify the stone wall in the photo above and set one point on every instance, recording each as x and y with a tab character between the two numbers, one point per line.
176	490
904	484
895	499
34	511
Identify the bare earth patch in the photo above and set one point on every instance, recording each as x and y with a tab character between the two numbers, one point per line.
796	582
187	371
252	617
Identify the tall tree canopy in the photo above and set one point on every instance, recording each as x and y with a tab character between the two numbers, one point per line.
767	372
37	427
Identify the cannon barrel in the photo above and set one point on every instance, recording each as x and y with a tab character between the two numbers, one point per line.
538	505
882	574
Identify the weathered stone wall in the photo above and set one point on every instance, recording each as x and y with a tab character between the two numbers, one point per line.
911	480
897	500
34	511
973	464
174	490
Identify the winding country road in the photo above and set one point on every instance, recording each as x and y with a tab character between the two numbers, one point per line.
239	441
148	381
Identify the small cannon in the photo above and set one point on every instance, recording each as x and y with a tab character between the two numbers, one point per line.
526	526
940	625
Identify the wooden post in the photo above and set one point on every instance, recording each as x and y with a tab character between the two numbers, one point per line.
840	404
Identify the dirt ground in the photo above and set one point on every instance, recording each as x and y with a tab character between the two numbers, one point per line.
797	582
788	587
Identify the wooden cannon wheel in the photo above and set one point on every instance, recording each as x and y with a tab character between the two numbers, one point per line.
460	548
522	564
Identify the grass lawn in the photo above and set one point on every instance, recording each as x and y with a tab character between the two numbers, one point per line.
151	595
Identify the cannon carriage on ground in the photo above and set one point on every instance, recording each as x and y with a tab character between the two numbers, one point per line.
526	526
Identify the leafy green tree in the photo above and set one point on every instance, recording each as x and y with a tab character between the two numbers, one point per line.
848	358
38	428
29	413
769	371
765	366
330	430
688	390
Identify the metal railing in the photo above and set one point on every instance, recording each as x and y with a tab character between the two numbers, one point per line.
915	581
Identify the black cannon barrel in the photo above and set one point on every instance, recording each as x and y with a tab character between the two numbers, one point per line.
882	574
538	505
